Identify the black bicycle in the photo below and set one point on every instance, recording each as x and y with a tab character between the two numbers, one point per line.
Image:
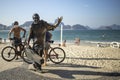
56	55
9	53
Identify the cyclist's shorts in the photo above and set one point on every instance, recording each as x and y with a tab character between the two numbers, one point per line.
17	41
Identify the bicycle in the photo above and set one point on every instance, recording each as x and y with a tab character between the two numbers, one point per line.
9	53
56	55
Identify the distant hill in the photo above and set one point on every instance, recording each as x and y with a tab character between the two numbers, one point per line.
80	27
27	24
3	27
67	27
74	27
111	27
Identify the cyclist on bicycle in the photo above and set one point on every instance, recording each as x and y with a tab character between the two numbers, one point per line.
16	30
38	33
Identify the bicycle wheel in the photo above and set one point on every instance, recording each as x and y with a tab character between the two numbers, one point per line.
8	53
57	55
25	58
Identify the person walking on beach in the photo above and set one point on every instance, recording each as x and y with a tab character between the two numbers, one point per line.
38	33
16	30
77	41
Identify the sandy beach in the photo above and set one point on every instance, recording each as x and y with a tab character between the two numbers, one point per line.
82	62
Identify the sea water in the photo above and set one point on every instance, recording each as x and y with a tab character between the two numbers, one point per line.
89	35
84	35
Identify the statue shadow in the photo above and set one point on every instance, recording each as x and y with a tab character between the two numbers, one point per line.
69	73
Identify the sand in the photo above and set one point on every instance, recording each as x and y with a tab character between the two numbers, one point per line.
82	62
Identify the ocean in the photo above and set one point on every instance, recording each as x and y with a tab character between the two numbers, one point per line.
84	35
89	35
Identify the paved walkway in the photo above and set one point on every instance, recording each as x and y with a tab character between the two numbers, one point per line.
18	70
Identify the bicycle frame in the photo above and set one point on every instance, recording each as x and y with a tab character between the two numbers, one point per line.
20	45
54	52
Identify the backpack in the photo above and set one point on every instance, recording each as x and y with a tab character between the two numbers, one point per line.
48	36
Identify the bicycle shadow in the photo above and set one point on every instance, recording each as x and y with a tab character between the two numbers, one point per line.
18	60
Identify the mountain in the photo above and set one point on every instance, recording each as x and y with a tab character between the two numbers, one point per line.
3	27
26	25
67	27
111	27
74	27
80	27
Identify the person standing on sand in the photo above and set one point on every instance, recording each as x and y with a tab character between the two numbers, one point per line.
38	33
64	43
16	36
77	41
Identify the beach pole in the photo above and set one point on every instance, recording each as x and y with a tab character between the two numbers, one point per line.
61	33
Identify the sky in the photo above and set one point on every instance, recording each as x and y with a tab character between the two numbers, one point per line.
93	13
